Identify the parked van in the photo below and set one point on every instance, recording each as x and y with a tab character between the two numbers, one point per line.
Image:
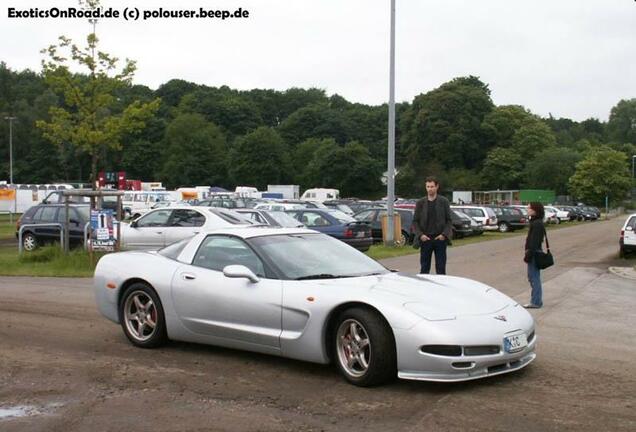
320	194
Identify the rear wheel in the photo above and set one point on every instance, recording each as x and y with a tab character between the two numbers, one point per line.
504	227
142	317
29	242
364	348
402	240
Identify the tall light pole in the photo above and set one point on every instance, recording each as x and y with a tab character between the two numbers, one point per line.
390	238
633	157
10	147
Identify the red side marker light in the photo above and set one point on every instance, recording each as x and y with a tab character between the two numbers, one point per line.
310	299
111	285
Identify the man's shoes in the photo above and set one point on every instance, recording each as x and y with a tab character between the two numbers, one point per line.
531	306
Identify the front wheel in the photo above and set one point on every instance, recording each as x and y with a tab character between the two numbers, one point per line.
364	347
504	227
141	316
29	242
403	240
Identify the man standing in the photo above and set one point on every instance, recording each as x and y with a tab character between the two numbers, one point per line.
432	224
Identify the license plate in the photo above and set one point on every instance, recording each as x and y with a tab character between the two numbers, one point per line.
515	343
360	234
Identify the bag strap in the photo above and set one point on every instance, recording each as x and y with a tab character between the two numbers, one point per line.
547	243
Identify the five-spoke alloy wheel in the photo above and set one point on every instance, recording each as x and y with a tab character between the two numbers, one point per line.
142	316
364	347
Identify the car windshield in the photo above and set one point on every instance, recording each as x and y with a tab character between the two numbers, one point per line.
284	219
315	256
341	216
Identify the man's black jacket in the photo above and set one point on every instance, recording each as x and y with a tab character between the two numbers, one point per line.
443	220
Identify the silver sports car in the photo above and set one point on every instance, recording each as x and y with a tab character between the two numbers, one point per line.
304	295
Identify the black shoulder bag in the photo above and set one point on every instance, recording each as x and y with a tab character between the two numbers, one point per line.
543	260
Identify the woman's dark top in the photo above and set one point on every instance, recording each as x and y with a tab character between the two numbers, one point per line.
536	232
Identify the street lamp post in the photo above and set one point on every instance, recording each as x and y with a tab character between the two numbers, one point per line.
10	118
633	158
390	238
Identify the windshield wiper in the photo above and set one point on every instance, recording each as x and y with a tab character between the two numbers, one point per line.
321	276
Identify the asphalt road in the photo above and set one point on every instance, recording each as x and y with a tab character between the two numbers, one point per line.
71	370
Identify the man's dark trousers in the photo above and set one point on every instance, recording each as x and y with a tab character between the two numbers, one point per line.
426	251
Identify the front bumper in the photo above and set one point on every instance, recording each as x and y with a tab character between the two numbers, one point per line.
415	363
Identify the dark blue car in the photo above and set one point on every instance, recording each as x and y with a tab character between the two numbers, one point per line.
336	224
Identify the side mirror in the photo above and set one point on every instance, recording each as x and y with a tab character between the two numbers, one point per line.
240	271
133	224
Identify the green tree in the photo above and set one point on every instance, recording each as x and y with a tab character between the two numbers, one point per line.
602	172
502	168
551	169
349	169
88	120
195	153
260	158
621	126
445	124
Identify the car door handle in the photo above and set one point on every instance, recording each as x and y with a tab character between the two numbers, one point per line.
188	276
159	232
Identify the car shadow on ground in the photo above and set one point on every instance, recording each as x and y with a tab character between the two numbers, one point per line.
264	365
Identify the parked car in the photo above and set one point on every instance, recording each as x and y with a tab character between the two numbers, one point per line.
339	206
483	214
338	225
160	204
561	215
572	214
299	294
163	226
32	237
476	227
627	242
271	218
592	212
461	224
223	202
509	218
278	206
374	216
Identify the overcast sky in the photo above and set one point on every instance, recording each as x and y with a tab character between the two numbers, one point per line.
571	58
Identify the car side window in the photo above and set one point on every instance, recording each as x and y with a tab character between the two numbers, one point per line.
632	223
48	215
366	216
315	219
187	218
218	252
157	218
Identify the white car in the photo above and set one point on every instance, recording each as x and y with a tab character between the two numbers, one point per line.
628	235
163	226
276	206
556	215
300	294
485	215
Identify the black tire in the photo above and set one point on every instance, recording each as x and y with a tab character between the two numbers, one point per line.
403	240
129	312
504	227
379	352
29	241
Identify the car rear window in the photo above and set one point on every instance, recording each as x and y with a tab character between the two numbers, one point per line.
490	212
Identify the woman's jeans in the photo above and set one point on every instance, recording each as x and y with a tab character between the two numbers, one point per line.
534	276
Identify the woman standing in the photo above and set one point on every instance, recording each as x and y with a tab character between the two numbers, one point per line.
536	233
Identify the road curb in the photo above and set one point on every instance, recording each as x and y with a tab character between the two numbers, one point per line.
624	272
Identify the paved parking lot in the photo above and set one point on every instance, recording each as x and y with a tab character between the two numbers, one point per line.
74	371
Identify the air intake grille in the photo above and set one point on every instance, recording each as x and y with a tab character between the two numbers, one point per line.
443	350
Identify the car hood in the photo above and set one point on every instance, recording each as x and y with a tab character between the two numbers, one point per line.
432	297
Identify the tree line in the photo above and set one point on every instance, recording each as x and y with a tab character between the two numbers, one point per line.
194	134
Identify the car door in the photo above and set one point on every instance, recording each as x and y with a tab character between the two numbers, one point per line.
183	223
629	235
147	232
209	303
47	215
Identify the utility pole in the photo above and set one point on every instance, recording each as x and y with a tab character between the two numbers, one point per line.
10	118
390	237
